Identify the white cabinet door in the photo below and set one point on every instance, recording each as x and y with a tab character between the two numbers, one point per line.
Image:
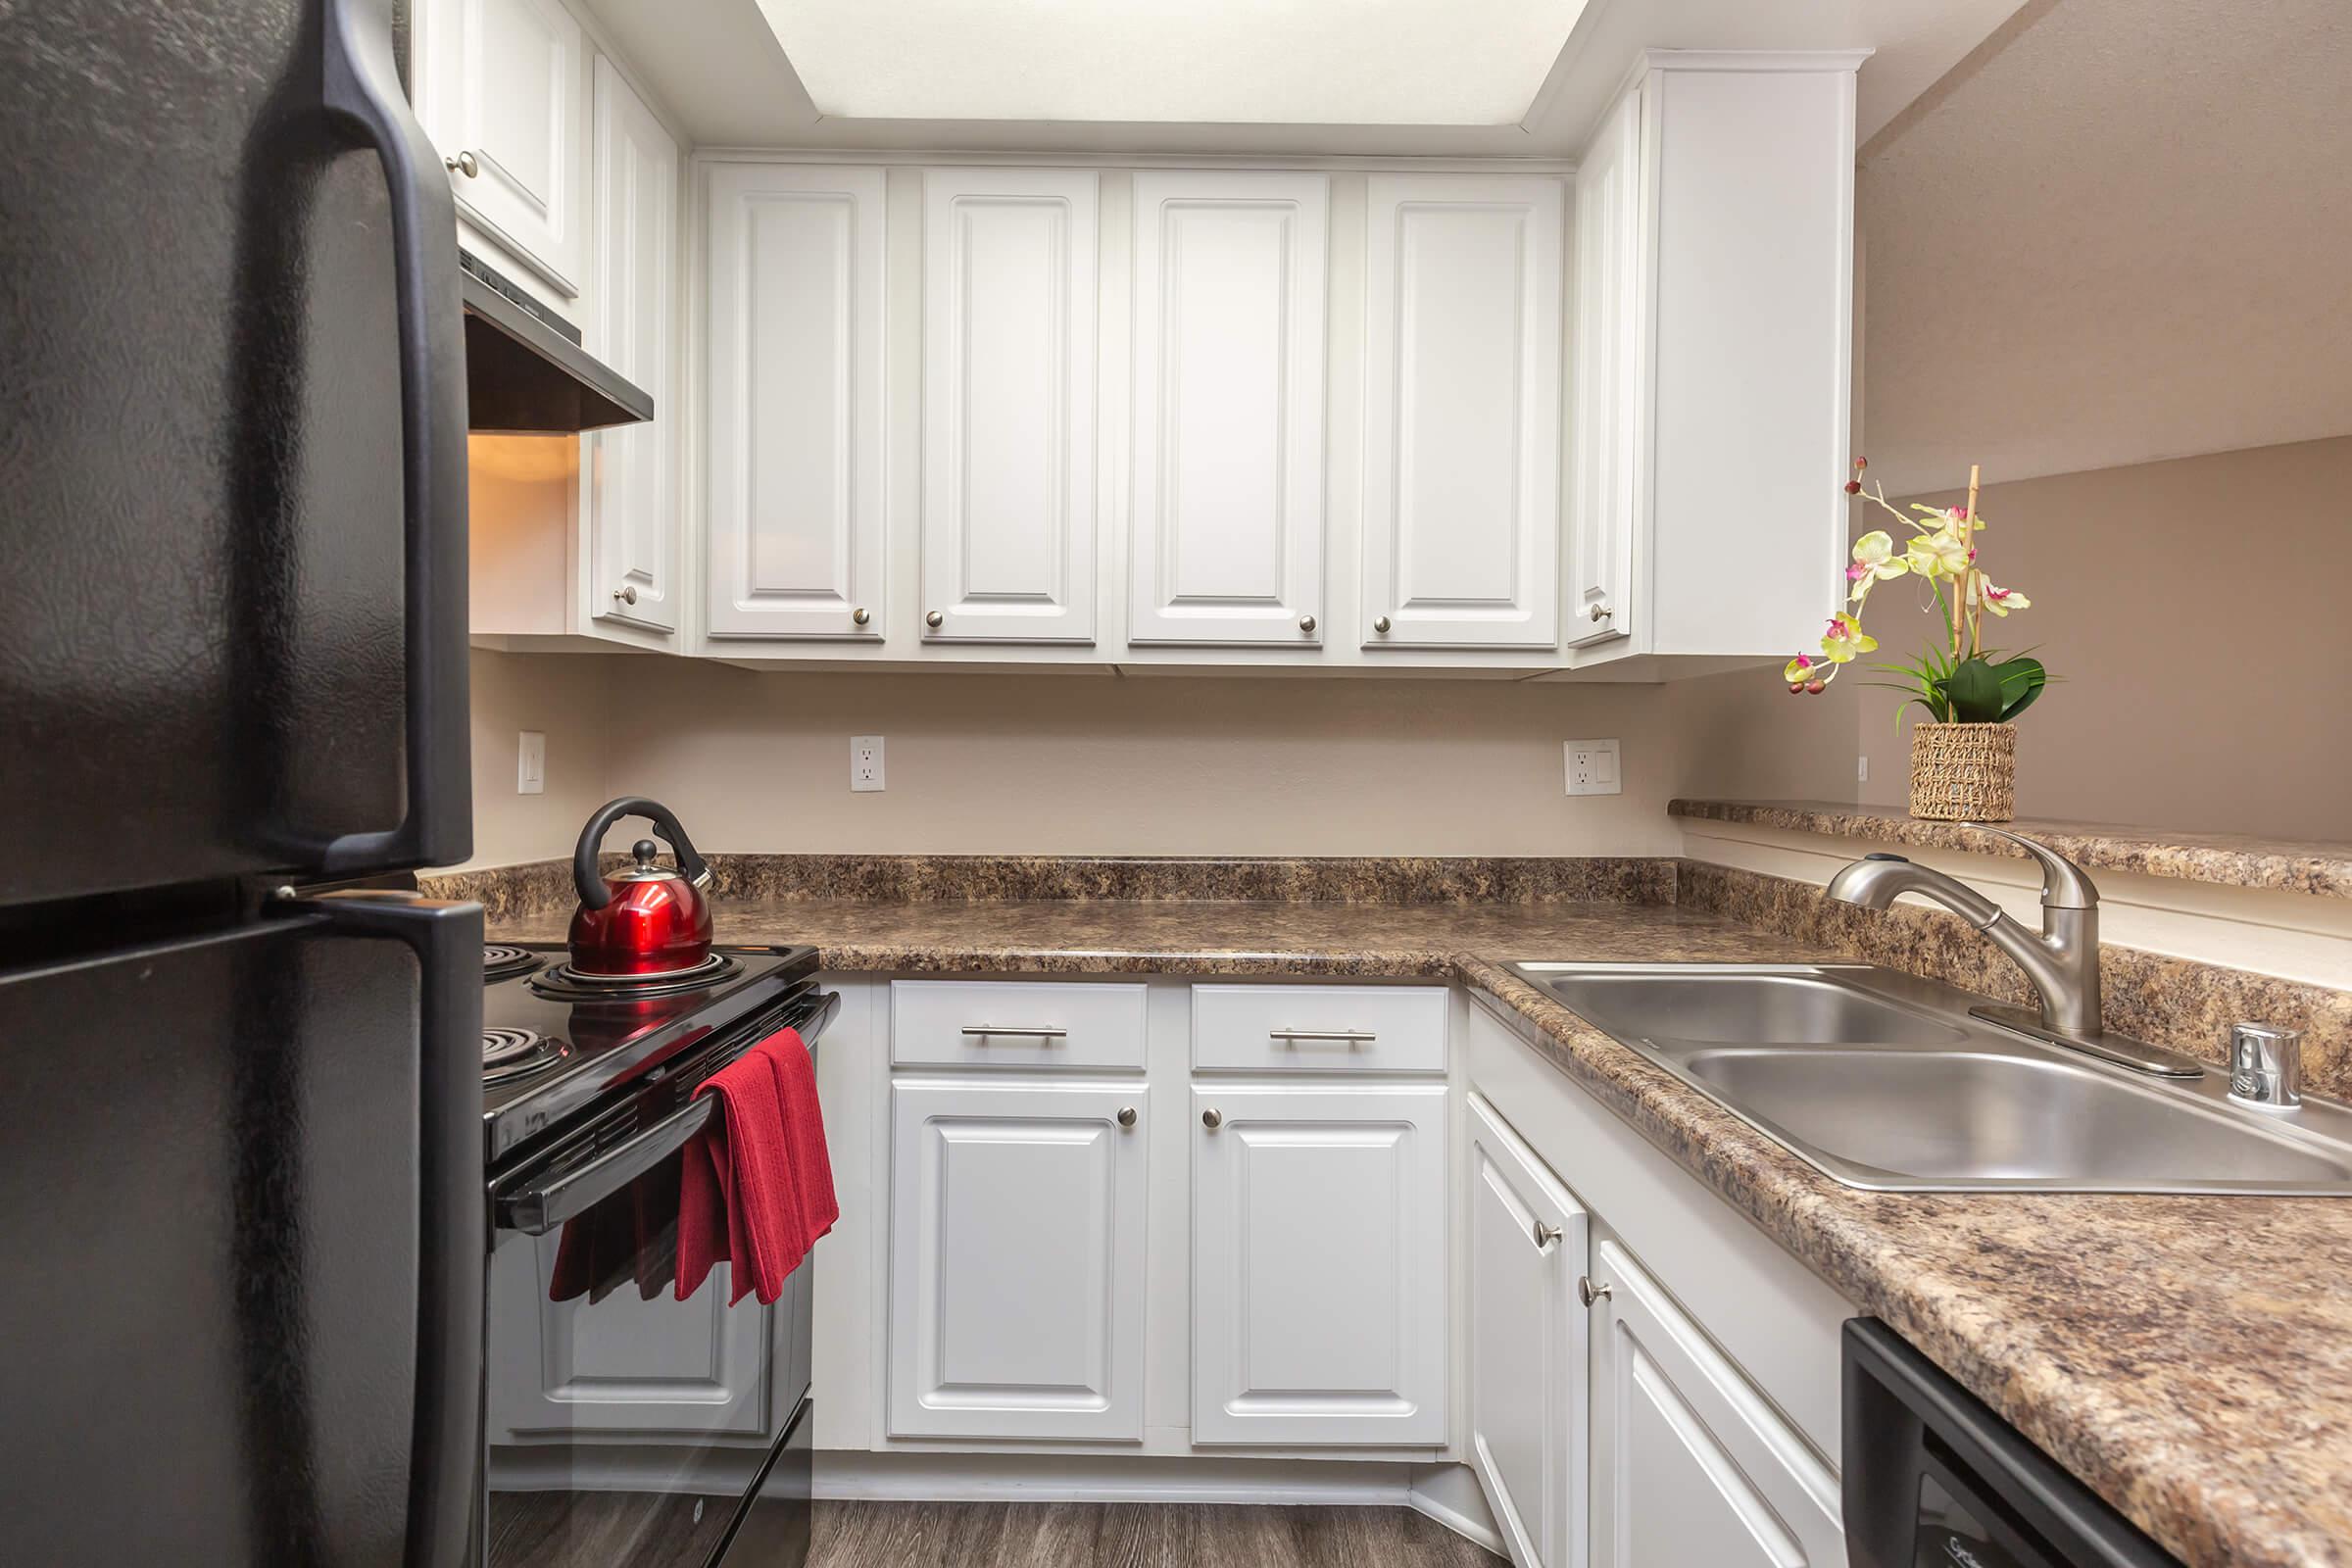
630	473
1319	1276
1461	410
1608	344
504	80
1008	404
1690	1463
793	413
1016	1260
1227	512
1527	1344
558	1369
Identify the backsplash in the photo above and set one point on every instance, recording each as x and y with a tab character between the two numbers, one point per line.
2181	1002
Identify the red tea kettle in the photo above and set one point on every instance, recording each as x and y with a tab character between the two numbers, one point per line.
646	919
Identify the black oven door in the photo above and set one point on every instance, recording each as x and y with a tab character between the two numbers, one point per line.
625	1427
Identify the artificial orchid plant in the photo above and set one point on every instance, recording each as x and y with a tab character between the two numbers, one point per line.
1958	680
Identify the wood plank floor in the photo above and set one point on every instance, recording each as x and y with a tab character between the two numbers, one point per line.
1131	1535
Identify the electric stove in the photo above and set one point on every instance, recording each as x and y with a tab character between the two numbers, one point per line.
548	1059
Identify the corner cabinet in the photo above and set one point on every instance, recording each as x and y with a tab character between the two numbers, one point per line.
1713	348
629	475
792	405
1528	1343
1319	1265
1008	404
1461	468
1227	398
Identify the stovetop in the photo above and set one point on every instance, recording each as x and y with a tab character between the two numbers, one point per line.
548	1059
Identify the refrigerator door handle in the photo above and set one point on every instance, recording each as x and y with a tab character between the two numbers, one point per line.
364	94
445	1447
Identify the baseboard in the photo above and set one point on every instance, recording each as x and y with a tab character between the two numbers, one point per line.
1108	1478
1449	1494
1436	1491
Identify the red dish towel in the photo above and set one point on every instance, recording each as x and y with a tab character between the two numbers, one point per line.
756	1189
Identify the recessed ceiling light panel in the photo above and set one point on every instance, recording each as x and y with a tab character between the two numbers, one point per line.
1276	62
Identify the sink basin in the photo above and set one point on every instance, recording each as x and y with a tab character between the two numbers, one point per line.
1731	1007
1885	1081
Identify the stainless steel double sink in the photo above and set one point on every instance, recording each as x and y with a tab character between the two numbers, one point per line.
1885	1082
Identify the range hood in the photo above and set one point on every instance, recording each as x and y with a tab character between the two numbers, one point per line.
525	371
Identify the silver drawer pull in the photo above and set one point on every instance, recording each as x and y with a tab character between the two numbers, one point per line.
1351	1037
985	1029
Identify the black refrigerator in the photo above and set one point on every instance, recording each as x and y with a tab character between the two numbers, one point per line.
241	1209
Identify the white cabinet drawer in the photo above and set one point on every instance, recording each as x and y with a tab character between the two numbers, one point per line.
1000	1023
1319	1028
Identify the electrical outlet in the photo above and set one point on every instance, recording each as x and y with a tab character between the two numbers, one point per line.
531	762
1593	768
866	761
1862	769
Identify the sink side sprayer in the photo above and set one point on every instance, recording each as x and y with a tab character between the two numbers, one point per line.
2061	960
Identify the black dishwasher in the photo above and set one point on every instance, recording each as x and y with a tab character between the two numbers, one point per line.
1934	1479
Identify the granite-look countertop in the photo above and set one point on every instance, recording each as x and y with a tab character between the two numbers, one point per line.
2236	859
2190	1358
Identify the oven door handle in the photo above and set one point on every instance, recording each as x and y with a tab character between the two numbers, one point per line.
538	1207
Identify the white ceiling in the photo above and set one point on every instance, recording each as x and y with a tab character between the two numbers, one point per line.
2124	233
720	71
1327	62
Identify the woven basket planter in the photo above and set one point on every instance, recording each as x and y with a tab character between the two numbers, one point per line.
1964	772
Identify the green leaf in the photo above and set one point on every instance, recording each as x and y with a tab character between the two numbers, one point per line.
2022	681
1973	692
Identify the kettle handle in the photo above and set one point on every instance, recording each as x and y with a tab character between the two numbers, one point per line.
594	894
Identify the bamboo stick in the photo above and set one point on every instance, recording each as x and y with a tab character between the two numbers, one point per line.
1967	568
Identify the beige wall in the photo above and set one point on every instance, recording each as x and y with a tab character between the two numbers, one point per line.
1147	766
2196	612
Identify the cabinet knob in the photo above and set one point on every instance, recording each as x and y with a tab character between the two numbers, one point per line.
934	619
463	164
1212	1119
1586	1292
1545	1235
1307	623
627	593
1603	613
1126	1115
860	615
1381	625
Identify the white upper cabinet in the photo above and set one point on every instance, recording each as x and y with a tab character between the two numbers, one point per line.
504	90
1008	404
629	475
1320	1276
1607	343
1461	410
1227	509
794	406
1715	232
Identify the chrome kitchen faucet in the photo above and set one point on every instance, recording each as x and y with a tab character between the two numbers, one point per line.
2061	960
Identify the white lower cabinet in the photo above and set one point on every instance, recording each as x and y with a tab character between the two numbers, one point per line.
1319	1265
1690	1464
1528	1378
1016	1260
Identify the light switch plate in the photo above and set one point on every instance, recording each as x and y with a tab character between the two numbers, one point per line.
1593	768
531	762
865	762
